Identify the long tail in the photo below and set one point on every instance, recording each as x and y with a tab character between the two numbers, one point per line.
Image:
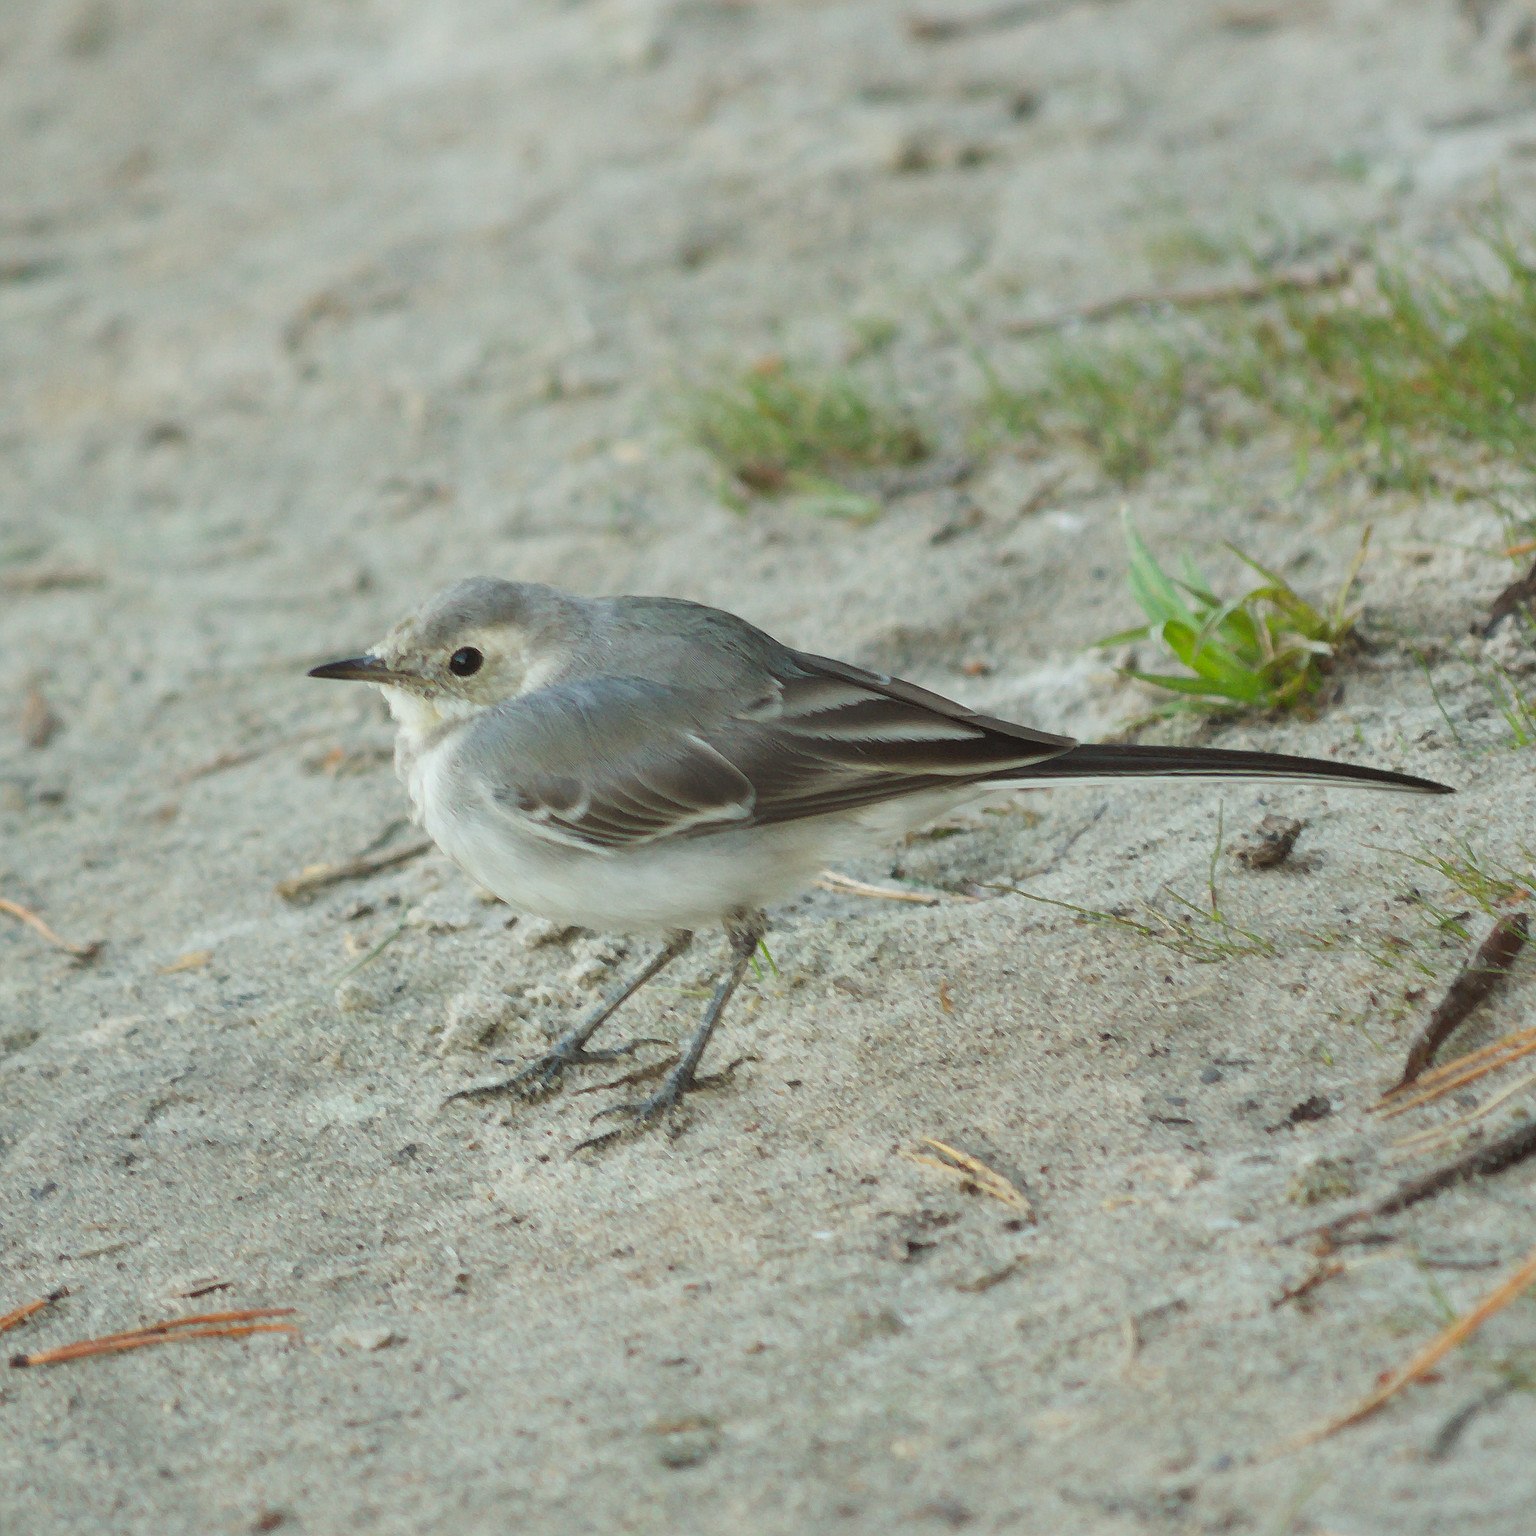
1096	761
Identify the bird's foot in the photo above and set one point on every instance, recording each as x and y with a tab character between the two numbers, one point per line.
542	1075
662	1107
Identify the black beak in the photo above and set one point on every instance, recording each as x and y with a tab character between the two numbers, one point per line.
360	669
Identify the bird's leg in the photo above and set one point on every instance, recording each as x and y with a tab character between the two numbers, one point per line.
541	1074
745	930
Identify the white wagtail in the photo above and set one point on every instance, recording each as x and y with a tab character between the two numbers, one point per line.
643	763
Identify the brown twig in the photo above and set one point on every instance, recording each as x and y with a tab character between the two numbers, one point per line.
217	764
9	1320
32	920
1517	595
1246	291
1438	1135
89	1347
930	475
942	29
1042	493
1473	983
193	960
1432	1353
975	1173
39	724
203	1325
318	876
1324	1269
1457	1066
1463	1070
205	1287
1482	1162
846	885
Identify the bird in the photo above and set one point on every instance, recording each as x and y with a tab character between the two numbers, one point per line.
653	765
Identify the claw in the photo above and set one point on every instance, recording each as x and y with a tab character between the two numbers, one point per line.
635	1108
726	1073
577	1056
592	1143
642	1074
541	1075
640	1115
664	1104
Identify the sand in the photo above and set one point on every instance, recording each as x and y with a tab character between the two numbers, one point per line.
308	309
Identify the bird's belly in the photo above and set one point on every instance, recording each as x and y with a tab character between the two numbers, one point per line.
677	883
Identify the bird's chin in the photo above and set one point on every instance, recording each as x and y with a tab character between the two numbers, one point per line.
421	715
412	711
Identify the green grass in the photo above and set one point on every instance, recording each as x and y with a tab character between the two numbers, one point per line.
1204	931
1382	375
1514	1369
1267	648
1429	358
1515	707
1181	247
789	428
1470	879
1492	887
1407	373
1118	403
1198	934
1200	931
1511	504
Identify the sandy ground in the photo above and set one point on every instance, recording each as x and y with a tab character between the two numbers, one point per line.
306	309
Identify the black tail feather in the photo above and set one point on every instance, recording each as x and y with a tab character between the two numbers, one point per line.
1092	760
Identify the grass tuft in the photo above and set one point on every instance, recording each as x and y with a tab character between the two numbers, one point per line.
1380	374
1190	931
1119	403
1491	886
1424	358
1267	649
1199	931
785	428
1514	705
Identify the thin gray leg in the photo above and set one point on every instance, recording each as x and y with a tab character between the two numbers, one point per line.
745	931
570	1050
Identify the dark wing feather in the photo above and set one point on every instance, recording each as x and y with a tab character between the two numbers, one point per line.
836	738
614	762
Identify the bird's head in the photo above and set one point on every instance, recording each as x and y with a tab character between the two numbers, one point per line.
472	646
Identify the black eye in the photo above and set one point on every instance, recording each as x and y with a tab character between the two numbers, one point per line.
465	661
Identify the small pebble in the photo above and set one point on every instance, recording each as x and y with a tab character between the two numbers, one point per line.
1270	843
367	1338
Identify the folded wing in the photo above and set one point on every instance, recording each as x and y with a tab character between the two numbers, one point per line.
610	763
